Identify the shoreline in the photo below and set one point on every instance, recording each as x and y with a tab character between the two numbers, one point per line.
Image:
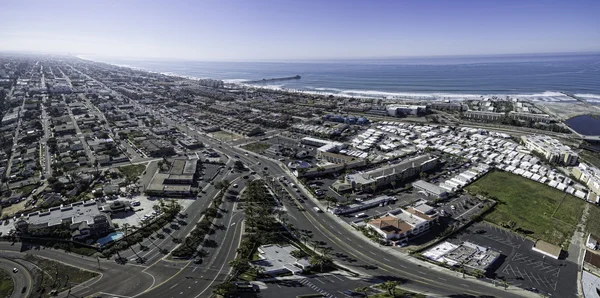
547	97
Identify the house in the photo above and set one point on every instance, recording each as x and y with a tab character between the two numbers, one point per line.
278	259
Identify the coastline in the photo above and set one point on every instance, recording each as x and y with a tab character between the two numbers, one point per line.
547	97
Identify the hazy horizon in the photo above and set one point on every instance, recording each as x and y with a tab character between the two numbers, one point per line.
269	30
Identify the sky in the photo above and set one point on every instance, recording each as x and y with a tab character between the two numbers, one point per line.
238	30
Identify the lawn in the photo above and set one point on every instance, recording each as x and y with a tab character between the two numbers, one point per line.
537	210
132	171
6	284
257	147
58	275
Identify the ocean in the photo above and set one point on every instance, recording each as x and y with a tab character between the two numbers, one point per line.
532	77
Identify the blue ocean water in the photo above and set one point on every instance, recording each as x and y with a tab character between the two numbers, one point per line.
543	75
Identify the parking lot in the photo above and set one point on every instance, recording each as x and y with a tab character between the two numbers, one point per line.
328	284
462	207
520	265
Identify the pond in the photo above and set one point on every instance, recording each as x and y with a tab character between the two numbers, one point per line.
585	125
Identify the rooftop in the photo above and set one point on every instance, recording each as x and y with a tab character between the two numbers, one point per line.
77	212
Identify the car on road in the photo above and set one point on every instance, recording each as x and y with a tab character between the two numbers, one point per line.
135	203
317	209
360	215
15	270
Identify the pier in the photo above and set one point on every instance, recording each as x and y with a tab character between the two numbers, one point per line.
296	77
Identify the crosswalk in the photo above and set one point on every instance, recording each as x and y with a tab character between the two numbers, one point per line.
309	284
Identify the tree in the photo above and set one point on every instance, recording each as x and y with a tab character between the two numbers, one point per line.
504	284
320	261
478	274
238	165
224	288
363	290
239	265
390	286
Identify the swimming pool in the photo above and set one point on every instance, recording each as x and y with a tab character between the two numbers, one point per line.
114	236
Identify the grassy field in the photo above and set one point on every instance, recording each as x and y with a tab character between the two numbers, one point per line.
257	147
132	171
6	284
593	221
58	275
536	209
224	136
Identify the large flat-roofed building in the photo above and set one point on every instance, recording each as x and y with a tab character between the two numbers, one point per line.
483	115
83	219
430	189
401	110
552	149
10	118
470	255
530	116
387	174
324	145
157	148
178	181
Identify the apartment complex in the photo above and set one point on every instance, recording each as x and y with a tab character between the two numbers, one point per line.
552	149
384	176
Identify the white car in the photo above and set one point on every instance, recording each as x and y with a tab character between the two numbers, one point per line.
15	270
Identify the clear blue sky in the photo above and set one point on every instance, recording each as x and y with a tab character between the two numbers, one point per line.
298	29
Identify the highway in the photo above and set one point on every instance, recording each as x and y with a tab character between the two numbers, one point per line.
350	250
196	280
357	253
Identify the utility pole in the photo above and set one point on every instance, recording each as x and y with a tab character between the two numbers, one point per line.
98	260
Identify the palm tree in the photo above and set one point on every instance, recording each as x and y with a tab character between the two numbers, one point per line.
320	260
390	286
363	290
478	274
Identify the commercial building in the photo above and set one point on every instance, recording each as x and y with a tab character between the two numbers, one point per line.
82	219
177	182
401	110
401	224
324	145
157	148
390	173
431	189
278	259
363	205
470	255
551	149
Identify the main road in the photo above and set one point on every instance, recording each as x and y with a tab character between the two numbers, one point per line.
358	253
